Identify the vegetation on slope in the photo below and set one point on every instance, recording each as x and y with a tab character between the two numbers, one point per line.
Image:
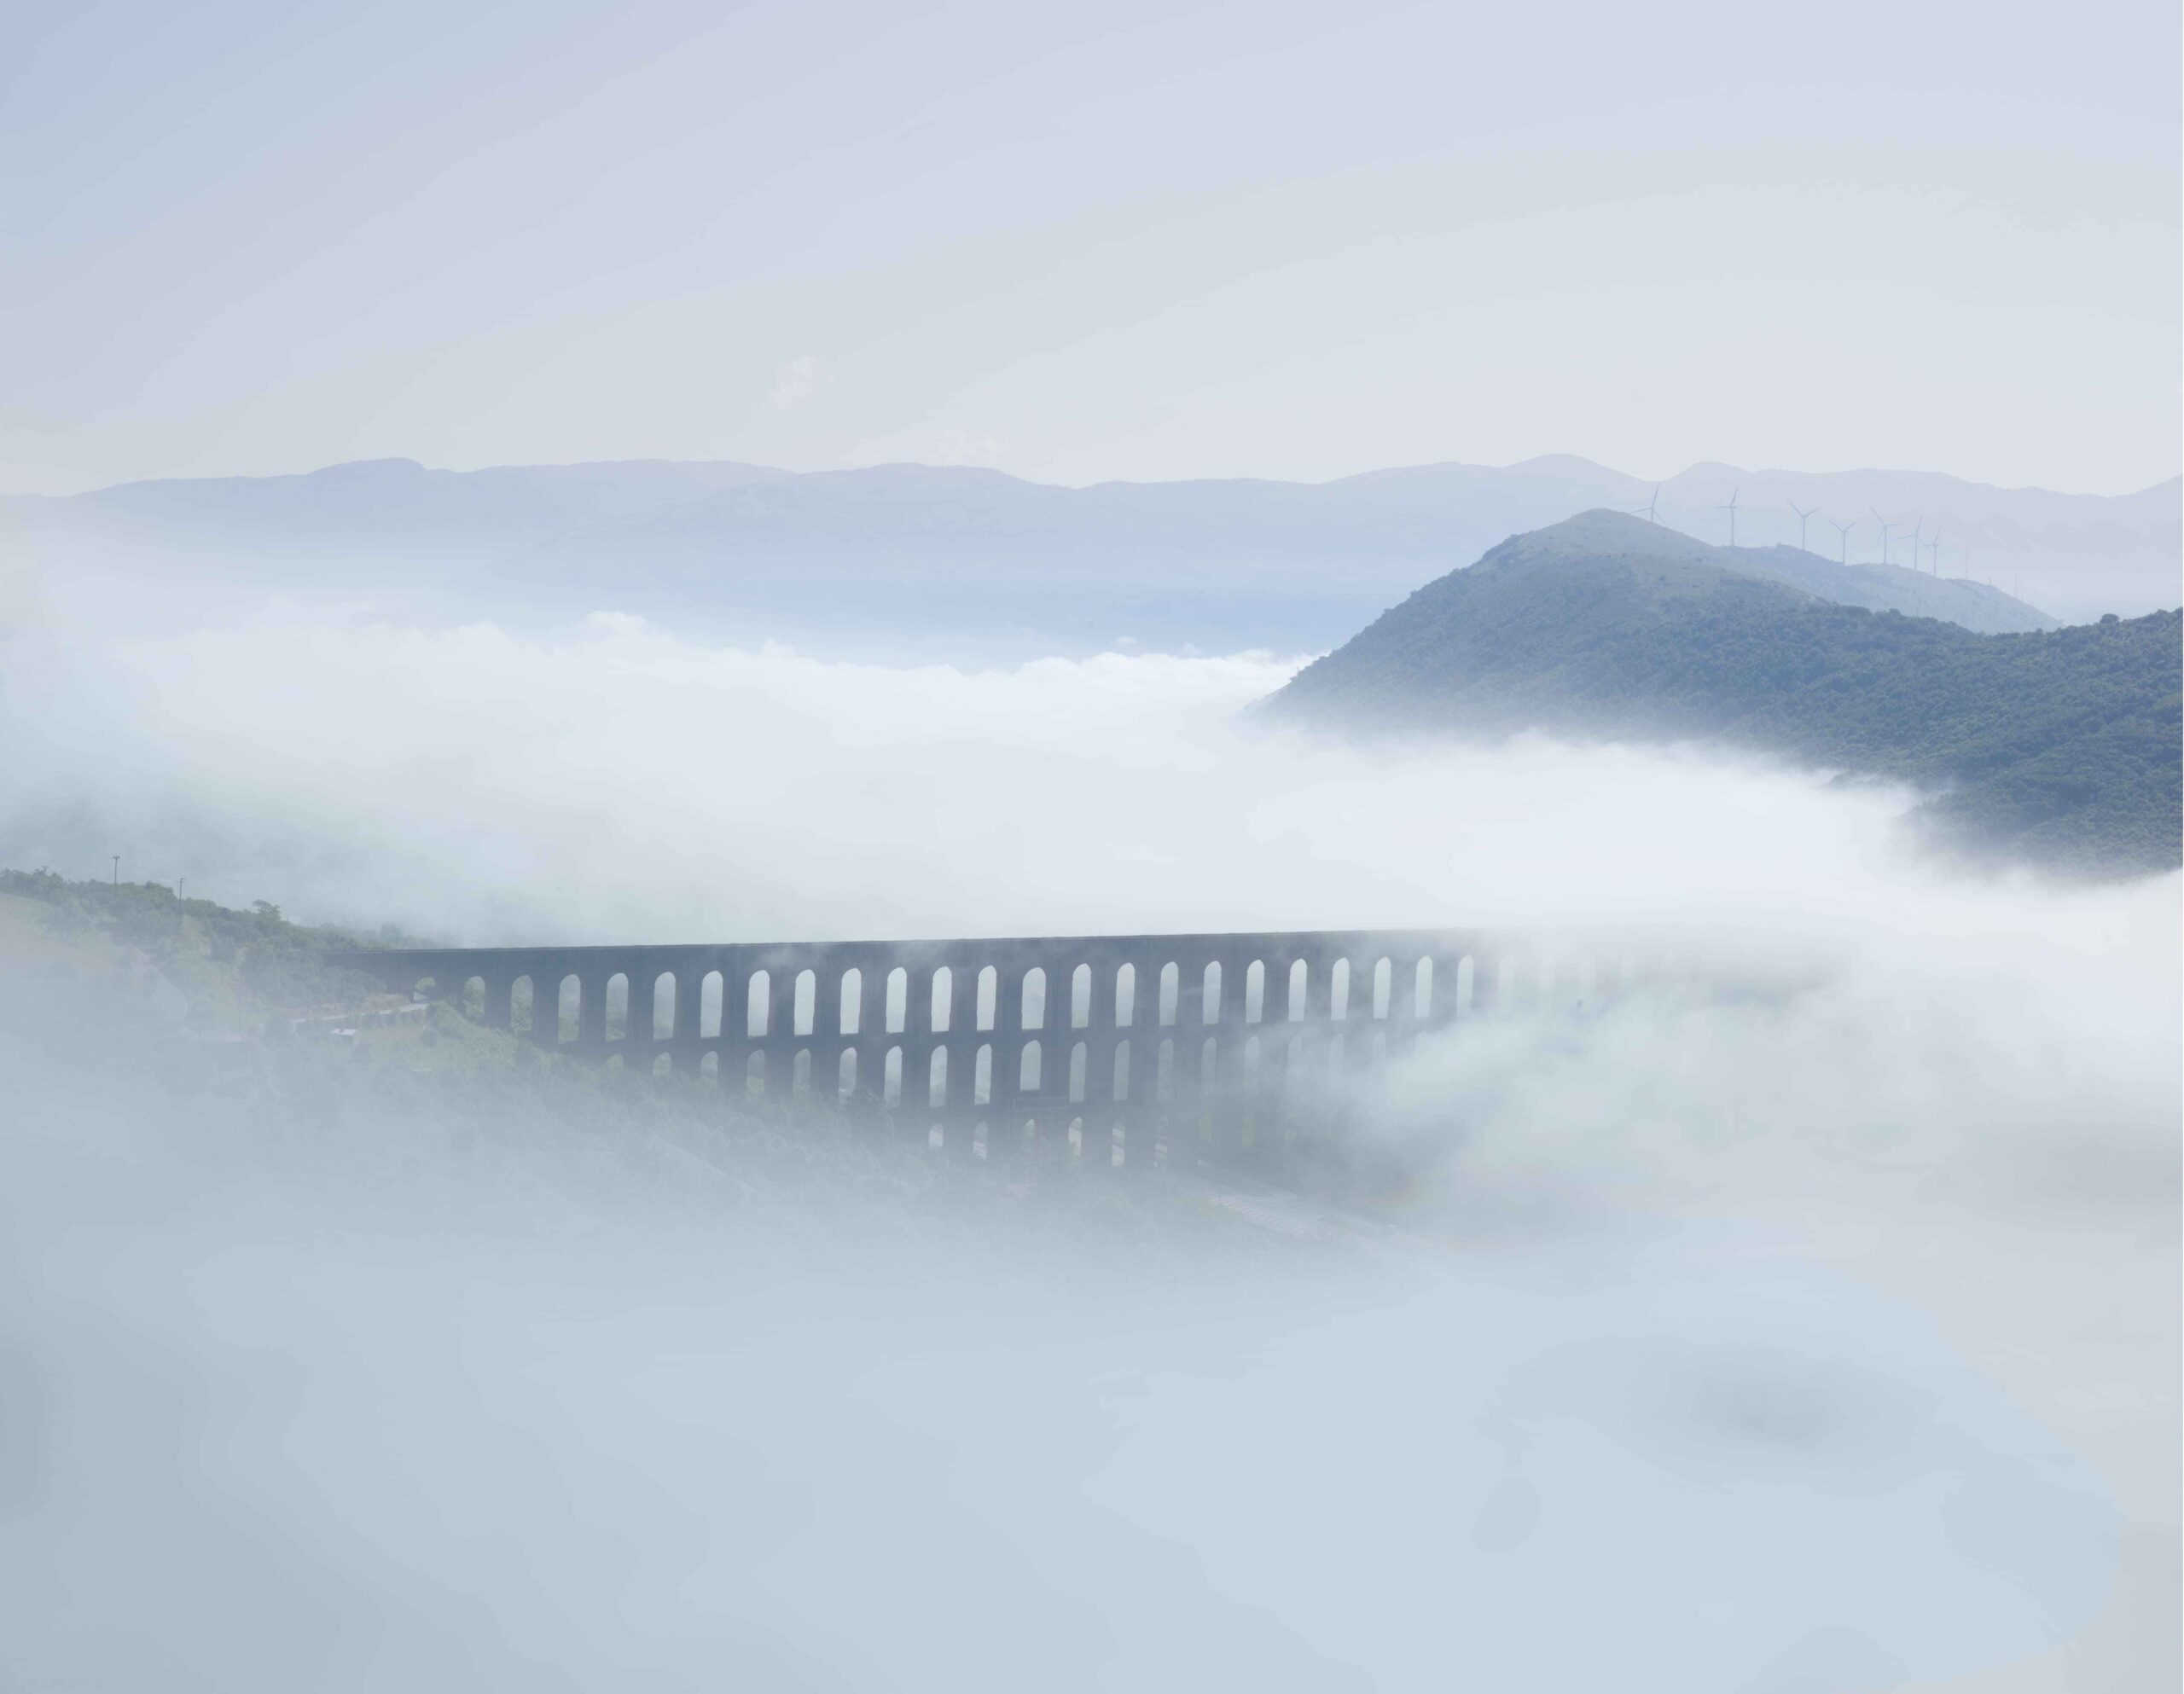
2060	747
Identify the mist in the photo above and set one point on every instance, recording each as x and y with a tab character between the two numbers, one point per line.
1810	1326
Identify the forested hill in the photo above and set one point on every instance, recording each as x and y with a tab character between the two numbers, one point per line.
2061	747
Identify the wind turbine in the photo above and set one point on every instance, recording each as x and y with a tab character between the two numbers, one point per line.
1885	528
1647	509
1731	508
1804	518
1935	545
1843	534
1917	544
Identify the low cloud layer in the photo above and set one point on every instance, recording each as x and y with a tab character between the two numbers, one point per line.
1815	1328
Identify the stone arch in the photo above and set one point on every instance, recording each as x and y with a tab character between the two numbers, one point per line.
522	1004
619	1023
935	1079
940	1002
1031	1001
846	1074
1028	1068
1467	983
1384	986
666	1005
1171	992
709	1069
712	1003
1125	995
471	999
1300	986
891	1078
849	1002
1421	988
569	1008
754	1074
1121	1090
1254	990
1164	1071
1209	1003
663	1066
1080	997
898	1000
988	996
799	1076
1338	992
804	1012
982	1075
1078	1058
758	1004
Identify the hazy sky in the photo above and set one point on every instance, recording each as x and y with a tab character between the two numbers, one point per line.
1092	242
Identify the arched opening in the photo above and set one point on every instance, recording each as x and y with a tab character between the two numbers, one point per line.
936	1081
1032	1005
1300	983
473	999
666	1005
890	1080
1171	991
663	1064
942	1002
712	997
1078	1058
1027	1069
1080	997
709	1070
1467	983
570	1007
1339	991
846	1074
1121	1070
1164	1072
1384	981
1337	1058
849	1002
521	1001
1421	992
982	1075
1254	990
754	1074
758	1004
799	1076
988	996
1209	995
1125	996
898	1000
804	1009
618	1005
932	1141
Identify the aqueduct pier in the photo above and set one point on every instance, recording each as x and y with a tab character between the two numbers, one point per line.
1109	1050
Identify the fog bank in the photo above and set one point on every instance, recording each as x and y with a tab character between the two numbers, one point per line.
1817	1333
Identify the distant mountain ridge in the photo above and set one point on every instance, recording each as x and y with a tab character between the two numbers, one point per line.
2060	747
968	562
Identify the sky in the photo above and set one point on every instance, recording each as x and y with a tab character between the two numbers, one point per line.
1082	243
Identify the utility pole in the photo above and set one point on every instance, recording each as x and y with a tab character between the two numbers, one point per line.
117	870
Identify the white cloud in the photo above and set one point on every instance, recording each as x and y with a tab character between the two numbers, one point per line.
796	382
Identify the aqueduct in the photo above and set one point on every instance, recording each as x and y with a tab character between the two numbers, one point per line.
1200	1046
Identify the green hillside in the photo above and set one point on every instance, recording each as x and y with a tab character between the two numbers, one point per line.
2060	748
